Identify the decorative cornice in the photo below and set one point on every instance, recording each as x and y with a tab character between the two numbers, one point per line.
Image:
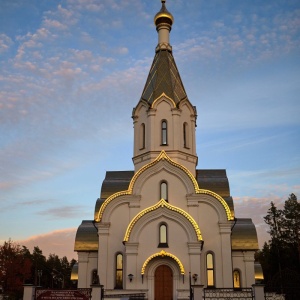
162	203
162	254
163	156
161	96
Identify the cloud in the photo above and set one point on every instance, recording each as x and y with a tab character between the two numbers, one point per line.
256	209
121	50
89	5
59	242
255	39
62	212
5	43
54	24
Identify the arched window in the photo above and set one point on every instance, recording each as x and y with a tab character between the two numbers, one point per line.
236	279
210	270
185	135
164	133
119	271
142	140
163	236
164	191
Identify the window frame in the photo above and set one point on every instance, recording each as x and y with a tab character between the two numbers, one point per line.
142	136
163	237
164	133
185	135
163	182
210	269
119	283
239	279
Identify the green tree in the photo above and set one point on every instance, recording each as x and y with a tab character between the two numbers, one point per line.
280	257
38	265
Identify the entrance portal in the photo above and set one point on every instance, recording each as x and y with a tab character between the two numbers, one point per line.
163	285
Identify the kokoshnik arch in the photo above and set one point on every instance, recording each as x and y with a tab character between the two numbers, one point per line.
166	218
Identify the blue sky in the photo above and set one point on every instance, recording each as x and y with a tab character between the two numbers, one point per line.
71	71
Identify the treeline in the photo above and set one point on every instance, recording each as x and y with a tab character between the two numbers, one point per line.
280	256
18	267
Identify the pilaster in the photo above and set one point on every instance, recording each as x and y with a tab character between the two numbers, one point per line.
225	232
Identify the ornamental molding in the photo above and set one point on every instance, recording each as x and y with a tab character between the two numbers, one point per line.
161	204
162	254
163	96
163	157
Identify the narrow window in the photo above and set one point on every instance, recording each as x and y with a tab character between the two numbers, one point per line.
164	191
236	279
164	133
163	236
142	136
210	269
185	135
119	271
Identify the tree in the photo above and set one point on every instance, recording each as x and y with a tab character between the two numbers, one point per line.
38	264
280	257
15	268
291	222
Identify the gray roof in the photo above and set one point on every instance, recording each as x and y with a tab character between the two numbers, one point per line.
163	78
244	236
216	181
114	181
213	180
74	273
258	271
86	237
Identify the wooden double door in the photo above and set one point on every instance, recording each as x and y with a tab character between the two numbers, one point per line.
163	284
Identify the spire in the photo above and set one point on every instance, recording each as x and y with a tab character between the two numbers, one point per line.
163	76
163	21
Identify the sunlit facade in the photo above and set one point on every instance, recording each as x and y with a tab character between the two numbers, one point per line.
165	219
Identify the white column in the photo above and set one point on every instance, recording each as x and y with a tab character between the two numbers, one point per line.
131	266
225	231
177	134
195	257
198	291
136	136
164	34
83	259
96	292
249	268
103	233
153	138
259	293
29	291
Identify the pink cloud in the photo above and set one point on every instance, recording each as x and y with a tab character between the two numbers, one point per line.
256	209
54	24
5	42
59	242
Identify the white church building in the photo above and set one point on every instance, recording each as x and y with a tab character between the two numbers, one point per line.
165	221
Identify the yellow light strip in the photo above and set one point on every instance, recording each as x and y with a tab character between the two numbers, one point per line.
163	95
162	253
162	203
163	156
230	217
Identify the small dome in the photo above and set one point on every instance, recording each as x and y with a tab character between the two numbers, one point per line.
163	16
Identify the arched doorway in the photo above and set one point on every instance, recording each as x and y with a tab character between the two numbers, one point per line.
163	286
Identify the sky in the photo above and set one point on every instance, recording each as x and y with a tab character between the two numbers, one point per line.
71	72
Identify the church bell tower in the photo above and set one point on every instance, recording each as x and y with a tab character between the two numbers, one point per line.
164	119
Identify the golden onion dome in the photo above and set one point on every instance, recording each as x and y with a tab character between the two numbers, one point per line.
163	16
